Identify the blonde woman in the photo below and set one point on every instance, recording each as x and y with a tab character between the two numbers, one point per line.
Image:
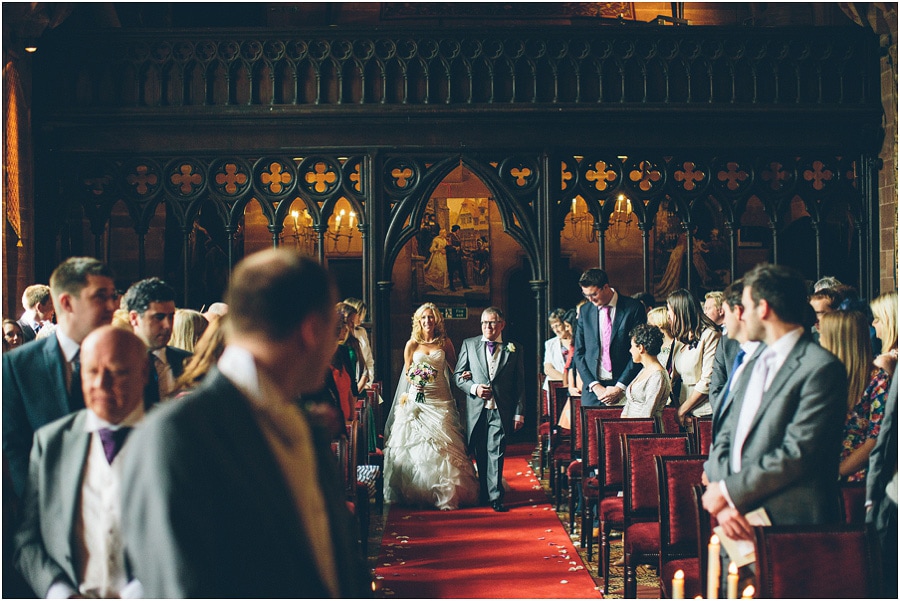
846	335
187	328
425	459
884	311
659	317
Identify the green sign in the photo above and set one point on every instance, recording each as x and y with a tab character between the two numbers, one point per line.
454	312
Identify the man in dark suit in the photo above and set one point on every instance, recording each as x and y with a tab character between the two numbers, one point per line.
605	369
780	443
151	310
881	492
230	492
38	303
495	400
70	541
455	263
40	379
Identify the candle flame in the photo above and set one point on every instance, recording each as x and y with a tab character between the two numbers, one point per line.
732	568
748	592
679	575
714	539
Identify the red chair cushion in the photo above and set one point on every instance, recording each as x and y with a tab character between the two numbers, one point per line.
544	429
691	569
562	452
612	510
574	469
591	486
642	538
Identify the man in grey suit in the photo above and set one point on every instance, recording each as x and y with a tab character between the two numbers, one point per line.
70	540
40	378
779	446
881	492
38	304
495	400
151	310
231	491
605	368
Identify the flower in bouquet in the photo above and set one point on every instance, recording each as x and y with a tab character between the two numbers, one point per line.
421	374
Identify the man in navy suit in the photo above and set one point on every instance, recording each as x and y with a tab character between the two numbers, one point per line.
151	310
606	369
38	304
41	380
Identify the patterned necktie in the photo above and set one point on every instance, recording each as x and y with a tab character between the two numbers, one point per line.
605	338
112	441
491	345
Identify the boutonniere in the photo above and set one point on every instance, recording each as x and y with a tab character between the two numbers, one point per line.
511	347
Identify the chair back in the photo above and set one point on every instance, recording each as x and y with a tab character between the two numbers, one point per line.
705	525
641	498
678	520
837	561
548	394
701	434
670	420
853	502
590	447
577	425
609	464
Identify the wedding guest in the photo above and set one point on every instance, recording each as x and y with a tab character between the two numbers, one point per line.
206	354
187	328
826	282
347	315
556	349
647	394
846	335
360	333
39	311
659	317
823	301
884	313
712	307
13	335
694	354
881	493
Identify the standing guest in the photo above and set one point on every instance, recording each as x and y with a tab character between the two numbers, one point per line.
151	310
881	493
206	354
780	445
712	308
884	313
846	335
573	380
38	303
187	328
455	264
735	350
495	400
823	301
41	381
13	335
348	317
70	541
215	311
697	338
556	349
602	354
360	333
646	299
648	392
659	317
120	320
229	492
826	282
342	381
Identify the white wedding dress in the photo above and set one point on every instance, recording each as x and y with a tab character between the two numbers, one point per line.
425	460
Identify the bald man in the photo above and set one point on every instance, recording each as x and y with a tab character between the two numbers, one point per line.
70	540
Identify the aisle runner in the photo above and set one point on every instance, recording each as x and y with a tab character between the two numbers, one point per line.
479	553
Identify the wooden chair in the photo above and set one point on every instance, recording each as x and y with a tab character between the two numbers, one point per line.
701	434
588	466
546	427
670	423
573	467
678	521
705	525
609	479
853	502
838	561
558	437
640	538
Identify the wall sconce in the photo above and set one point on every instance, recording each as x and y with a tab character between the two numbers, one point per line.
622	217
303	234
343	229
579	224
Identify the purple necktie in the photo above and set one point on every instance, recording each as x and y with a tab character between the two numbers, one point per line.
490	346
112	441
605	338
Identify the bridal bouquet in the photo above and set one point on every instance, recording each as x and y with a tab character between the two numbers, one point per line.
421	374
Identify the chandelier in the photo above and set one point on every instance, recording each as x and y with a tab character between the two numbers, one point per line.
343	229
579	225
622	217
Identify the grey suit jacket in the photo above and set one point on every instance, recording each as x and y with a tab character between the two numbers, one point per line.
34	394
789	461
508	384
629	313
207	512
44	542
883	461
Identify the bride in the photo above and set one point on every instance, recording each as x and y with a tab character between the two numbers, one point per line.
425	460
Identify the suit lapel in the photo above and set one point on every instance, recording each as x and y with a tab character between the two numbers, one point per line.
75	446
742	380
54	362
790	366
502	358
478	348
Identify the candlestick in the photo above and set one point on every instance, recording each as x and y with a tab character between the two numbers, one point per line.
748	592
732	581
714	570
678	585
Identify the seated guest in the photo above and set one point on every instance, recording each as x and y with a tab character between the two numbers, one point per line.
695	353
649	391
39	311
70	540
187	328
846	335
13	336
884	313
229	492
206	354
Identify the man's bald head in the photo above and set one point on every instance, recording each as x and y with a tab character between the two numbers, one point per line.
114	371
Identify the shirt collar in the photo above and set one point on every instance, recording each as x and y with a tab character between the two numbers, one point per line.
613	301
498	341
69	347
784	345
238	365
94	422
161	354
749	347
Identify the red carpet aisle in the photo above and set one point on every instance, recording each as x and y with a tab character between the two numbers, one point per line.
478	553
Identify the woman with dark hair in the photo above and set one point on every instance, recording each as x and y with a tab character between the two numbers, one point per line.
648	392
696	340
13	336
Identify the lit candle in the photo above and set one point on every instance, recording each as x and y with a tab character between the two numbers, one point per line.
678	585
714	570
574	205
748	592
337	222
352	217
732	581
296	216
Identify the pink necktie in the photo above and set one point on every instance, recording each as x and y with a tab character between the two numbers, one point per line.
605	338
